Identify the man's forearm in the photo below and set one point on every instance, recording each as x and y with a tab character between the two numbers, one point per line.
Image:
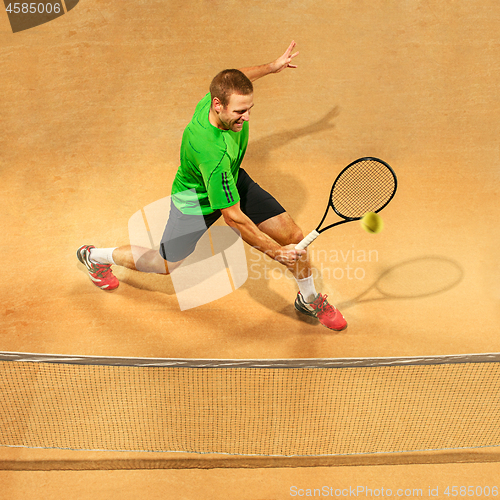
255	72
252	235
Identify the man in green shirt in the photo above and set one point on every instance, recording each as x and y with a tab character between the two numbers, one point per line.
210	183
210	163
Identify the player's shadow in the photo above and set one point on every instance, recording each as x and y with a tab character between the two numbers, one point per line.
283	185
266	144
415	278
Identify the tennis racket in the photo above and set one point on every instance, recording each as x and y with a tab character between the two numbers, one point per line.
365	185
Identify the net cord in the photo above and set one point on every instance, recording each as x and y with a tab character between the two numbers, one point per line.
249	363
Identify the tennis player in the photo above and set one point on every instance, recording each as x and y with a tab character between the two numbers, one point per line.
210	183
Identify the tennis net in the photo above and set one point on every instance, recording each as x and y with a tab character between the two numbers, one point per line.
294	407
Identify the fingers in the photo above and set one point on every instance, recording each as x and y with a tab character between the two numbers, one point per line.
290	48
289	256
295	256
289	56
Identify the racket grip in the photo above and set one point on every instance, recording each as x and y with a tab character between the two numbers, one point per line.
307	240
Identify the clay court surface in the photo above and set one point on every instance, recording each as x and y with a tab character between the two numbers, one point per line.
93	106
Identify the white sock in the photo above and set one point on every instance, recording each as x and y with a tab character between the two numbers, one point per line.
307	289
102	255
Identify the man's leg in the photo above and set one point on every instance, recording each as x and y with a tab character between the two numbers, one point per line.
98	262
285	231
179	240
143	259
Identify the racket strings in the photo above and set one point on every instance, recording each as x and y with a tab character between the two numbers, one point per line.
364	187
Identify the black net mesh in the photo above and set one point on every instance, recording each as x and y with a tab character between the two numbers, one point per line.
250	411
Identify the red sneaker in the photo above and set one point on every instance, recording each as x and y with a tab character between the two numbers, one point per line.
319	308
100	274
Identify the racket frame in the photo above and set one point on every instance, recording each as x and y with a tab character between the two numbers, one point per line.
315	233
349	219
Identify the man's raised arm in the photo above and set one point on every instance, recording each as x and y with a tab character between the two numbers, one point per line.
255	72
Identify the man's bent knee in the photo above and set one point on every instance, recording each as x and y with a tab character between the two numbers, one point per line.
152	262
295	236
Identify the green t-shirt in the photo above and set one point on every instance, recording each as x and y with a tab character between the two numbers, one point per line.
210	162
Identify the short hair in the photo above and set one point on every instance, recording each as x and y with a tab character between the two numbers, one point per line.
228	82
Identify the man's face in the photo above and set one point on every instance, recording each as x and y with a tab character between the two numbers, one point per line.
236	113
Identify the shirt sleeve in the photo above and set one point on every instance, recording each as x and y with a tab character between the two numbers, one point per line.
220	184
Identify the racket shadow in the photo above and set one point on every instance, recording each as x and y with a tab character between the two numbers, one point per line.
415	278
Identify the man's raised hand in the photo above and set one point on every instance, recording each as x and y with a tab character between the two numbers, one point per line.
284	61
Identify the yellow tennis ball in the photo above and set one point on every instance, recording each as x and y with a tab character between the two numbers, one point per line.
372	223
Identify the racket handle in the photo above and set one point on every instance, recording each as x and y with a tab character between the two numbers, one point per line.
307	240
